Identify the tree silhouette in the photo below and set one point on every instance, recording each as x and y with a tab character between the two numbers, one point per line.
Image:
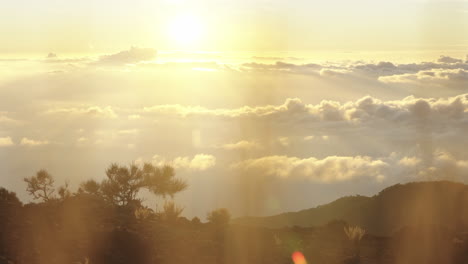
8	198
219	217
196	221
161	180
41	186
171	212
90	187
123	183
64	191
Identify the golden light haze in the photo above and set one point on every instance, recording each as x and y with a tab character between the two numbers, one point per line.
212	109
279	102
221	25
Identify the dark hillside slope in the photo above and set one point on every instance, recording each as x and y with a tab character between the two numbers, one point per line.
439	203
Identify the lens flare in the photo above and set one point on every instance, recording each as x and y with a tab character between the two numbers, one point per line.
298	258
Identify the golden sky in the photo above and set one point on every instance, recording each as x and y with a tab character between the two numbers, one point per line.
221	25
262	106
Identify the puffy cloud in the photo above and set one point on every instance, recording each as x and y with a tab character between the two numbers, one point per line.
134	117
447	59
128	132
365	109
388	68
441	165
374	70
82	139
197	65
6	119
446	166
199	162
292	106
409	161
31	142
202	162
241	145
327	72
313	137
382	68
282	67
449	76
51	55
284	141
327	170
133	55
92	111
6	141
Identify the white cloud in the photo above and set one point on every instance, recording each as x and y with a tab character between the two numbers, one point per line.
447	59
82	139
313	137
31	142
134	117
409	161
133	55
5	119
92	111
326	72
364	109
242	145
292	107
284	141
284	67
449	76
441	165
356	68
128	132
6	141
199	162
327	170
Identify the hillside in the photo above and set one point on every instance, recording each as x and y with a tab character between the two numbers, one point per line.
439	203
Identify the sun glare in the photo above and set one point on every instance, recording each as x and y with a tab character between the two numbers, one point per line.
185	31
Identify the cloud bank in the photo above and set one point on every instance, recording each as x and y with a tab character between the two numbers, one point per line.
133	55
327	170
199	162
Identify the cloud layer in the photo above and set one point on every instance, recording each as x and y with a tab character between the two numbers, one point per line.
329	169
199	162
133	55
233	122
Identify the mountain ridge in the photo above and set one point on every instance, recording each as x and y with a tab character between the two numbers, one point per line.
442	203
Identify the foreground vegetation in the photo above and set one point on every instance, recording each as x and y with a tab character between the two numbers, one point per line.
105	222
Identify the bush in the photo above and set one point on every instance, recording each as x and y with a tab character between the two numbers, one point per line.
219	217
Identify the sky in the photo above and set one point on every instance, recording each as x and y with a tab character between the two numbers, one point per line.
261	106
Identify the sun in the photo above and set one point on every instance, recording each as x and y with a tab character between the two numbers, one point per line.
185	30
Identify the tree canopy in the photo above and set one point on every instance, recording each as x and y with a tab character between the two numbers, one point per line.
120	187
123	183
41	186
219	217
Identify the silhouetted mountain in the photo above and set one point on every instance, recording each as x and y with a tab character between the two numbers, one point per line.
442	203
